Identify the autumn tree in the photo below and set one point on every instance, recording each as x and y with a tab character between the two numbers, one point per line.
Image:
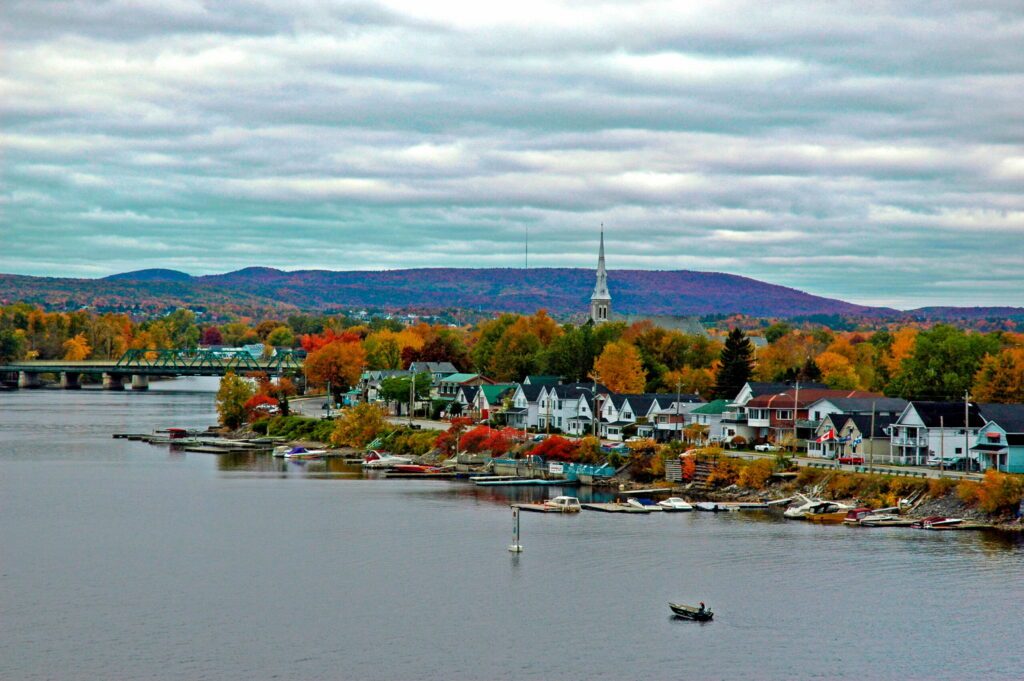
281	337
338	363
1001	377
736	365
212	336
76	349
360	425
12	345
232	396
397	388
620	369
943	363
837	371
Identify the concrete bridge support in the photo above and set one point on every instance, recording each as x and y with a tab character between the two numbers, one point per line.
28	379
70	380
140	382
113	381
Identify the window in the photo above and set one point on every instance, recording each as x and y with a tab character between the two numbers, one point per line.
785	414
958	450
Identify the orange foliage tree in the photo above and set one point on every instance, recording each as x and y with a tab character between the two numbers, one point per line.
836	370
620	369
339	363
76	348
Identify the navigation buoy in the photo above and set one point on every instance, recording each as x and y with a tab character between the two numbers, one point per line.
515	546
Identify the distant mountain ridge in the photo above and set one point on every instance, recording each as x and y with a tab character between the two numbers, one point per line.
563	291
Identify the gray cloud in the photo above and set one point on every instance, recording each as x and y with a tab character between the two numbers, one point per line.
871	151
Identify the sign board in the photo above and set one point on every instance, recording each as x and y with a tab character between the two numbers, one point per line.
555	468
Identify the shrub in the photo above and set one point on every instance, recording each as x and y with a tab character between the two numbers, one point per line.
359	425
756	473
808	477
647	467
260	427
724	473
1000	492
556	448
940	487
689	466
738	441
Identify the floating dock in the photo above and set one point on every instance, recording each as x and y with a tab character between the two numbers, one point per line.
536	508
520	482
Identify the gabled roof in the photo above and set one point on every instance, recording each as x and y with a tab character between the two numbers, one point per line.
641	404
433	367
713	407
570	390
469	391
860	405
542	380
494	393
790	398
460	378
758	388
1009	417
531	391
948	414
863	423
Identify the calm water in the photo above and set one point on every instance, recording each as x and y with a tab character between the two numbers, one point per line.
120	560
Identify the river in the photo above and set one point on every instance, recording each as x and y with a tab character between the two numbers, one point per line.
122	560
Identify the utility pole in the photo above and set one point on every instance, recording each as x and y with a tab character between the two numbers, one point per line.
942	444
412	396
967	437
679	394
871	436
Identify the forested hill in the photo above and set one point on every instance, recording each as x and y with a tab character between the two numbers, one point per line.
257	290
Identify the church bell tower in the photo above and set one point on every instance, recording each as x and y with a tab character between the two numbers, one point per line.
601	299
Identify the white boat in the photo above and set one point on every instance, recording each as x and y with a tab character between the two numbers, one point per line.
378	459
714	507
303	453
675	504
800	510
281	450
636	503
563	504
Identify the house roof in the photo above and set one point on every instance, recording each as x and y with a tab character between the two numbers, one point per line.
569	390
713	407
758	388
1009	417
542	380
460	378
789	398
531	391
494	393
863	423
469	391
434	367
949	414
853	405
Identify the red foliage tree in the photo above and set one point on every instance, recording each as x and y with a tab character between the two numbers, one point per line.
312	342
212	336
556	448
448	441
260	406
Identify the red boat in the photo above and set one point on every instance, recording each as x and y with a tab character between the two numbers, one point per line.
853	516
936	522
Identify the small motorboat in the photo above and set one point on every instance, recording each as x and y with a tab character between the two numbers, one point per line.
301	453
675	505
827	512
378	459
690	612
936	522
854	516
645	504
563	504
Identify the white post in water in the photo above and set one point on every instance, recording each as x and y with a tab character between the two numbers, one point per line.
515	547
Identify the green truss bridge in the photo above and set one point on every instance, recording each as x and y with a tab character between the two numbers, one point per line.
138	366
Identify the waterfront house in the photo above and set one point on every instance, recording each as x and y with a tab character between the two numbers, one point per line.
462	403
735	421
369	382
1000	442
490	399
931	429
525	411
437	370
673	414
710	416
853	436
785	418
561	407
449	385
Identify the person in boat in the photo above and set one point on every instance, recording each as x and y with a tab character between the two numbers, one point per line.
702	608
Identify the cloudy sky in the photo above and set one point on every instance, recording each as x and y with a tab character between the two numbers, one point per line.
871	151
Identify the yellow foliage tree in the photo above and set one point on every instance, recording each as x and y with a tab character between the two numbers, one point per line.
76	348
836	370
1001	377
359	425
620	369
903	342
339	363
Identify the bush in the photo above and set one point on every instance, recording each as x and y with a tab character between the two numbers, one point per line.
647	467
359	425
260	427
689	467
1000	493
724	473
808	477
755	474
557	448
940	487
412	442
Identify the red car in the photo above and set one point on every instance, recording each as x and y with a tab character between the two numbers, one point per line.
852	460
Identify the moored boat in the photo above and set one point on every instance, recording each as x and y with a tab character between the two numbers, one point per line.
303	453
855	515
563	504
646	504
415	468
827	512
378	459
936	522
690	612
675	505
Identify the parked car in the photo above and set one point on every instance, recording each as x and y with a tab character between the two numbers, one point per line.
853	460
766	447
539	438
947	462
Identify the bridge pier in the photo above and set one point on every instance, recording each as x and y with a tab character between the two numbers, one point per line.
70	380
140	382
28	379
113	381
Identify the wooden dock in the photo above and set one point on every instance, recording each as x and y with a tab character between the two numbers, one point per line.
536	508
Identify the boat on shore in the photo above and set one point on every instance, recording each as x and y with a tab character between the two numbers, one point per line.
855	515
827	512
936	522
690	612
646	504
378	459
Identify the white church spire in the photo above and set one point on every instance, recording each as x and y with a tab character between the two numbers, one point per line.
601	299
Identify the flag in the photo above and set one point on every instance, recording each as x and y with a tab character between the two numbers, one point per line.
858	440
830	434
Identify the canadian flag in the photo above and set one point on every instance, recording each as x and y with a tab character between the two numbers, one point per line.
829	434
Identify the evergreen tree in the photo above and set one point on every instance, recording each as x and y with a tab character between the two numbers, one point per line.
737	365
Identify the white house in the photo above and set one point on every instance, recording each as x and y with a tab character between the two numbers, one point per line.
931	429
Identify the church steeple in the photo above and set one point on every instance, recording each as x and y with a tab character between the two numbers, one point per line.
601	299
